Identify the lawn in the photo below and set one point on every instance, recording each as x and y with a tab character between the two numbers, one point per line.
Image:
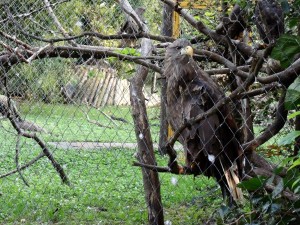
105	187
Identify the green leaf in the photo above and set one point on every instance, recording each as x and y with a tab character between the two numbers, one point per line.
296	163
252	184
289	138
295	183
293	115
129	51
292	98
285	49
293	22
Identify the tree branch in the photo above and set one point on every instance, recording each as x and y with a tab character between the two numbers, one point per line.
56	21
31	162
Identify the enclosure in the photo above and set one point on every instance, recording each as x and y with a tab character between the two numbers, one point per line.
85	126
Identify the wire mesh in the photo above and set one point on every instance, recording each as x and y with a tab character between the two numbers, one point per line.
69	133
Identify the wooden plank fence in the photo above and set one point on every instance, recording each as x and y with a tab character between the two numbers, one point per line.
98	91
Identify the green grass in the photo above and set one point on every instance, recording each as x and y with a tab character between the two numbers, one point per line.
105	187
69	123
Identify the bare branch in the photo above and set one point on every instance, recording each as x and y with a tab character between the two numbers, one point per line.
222	60
9	59
31	162
30	13
259	91
14	39
271	130
218	39
153	167
106	37
131	13
33	136
227	70
35	54
17	160
286	76
56	21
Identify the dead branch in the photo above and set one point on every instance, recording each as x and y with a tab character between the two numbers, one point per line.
159	169
30	13
31	162
222	60
56	21
129	12
227	70
33	136
143	136
17	41
272	129
17	160
284	77
259	91
217	38
19	56
9	59
36	53
94	121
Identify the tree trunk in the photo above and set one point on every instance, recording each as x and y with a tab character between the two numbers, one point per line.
145	145
166	31
142	130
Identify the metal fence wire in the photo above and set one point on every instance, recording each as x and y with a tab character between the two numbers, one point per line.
149	112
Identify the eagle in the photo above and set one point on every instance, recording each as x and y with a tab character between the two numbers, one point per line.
211	146
269	20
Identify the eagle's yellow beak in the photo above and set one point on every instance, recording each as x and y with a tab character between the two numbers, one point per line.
188	50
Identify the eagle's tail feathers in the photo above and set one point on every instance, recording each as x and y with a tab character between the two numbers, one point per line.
232	181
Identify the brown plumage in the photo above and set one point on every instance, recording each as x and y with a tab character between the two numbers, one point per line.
269	20
211	145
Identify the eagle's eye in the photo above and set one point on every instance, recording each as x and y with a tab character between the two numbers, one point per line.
178	47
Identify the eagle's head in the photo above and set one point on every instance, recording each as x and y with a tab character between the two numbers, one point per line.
179	51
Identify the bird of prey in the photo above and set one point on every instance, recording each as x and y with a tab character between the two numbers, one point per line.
212	145
131	27
269	20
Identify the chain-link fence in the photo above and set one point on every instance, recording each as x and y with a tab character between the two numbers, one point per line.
105	121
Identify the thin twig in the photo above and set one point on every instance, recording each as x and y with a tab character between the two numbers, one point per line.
33	136
153	167
94	121
31	162
28	14
35	54
17	160
56	21
17	41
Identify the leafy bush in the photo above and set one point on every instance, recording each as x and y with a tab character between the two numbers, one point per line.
41	80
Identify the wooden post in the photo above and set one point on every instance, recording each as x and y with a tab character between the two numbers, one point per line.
167	30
